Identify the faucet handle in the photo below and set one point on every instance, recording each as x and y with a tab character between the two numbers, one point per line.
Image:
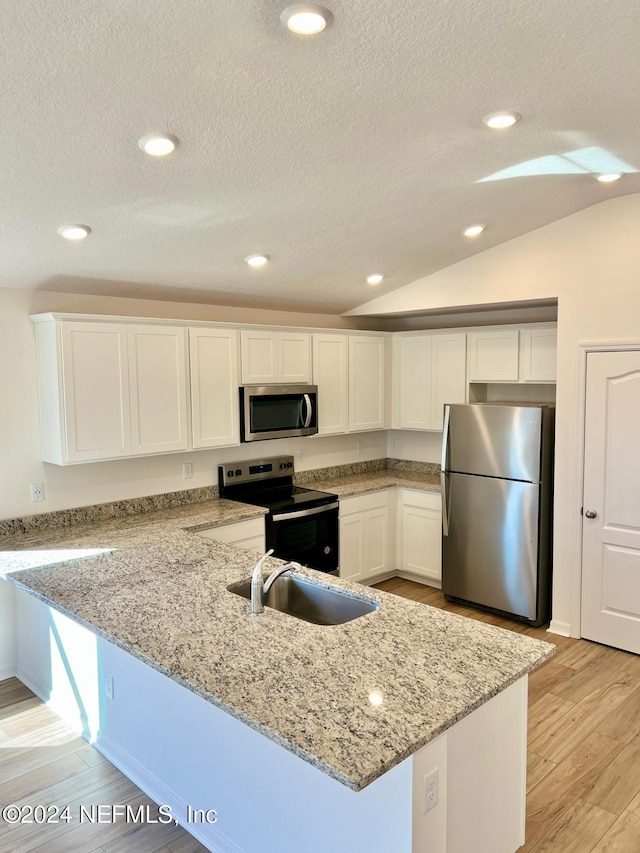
258	566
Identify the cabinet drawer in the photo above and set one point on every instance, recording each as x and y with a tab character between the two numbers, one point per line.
251	530
362	503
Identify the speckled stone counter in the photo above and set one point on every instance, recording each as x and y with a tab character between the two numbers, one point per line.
160	592
359	484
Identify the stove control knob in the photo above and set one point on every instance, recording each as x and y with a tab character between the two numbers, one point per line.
230	473
238	472
289	464
283	465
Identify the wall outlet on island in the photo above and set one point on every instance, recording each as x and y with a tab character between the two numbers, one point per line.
108	686
37	492
430	790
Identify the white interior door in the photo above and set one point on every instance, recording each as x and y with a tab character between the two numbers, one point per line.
611	522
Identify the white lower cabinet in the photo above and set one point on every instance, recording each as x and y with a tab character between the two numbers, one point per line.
420	534
366	535
247	534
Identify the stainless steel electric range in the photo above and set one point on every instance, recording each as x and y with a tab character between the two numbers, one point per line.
301	525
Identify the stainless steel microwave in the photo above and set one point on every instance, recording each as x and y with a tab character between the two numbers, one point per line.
278	411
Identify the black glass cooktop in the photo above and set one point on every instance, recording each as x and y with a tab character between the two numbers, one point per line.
281	499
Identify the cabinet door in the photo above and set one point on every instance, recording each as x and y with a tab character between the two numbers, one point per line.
158	389
259	357
416	390
538	350
352	554
95	391
366	383
421	534
330	375
376	541
448	374
294	357
214	387
493	356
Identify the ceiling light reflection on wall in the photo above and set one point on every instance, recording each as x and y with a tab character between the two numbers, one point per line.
501	120
609	177
375	279
306	19
158	144
74	232
257	260
474	230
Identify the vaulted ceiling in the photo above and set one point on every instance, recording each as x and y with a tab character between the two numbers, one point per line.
357	151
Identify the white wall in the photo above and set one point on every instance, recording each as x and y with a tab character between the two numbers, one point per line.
80	485
590	262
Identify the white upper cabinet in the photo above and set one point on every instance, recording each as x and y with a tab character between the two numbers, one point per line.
330	374
366	383
513	355
430	371
538	352
275	357
214	386
493	356
110	390
158	389
84	391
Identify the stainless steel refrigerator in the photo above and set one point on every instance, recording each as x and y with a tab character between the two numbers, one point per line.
497	507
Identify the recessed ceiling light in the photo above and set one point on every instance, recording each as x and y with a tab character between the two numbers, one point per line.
306	19
74	232
157	144
257	260
499	121
474	230
374	279
609	178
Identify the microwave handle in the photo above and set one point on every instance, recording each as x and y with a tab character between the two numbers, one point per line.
309	408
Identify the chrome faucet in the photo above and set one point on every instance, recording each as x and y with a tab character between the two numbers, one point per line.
260	587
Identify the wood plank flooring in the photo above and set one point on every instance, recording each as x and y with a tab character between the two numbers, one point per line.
583	765
583	773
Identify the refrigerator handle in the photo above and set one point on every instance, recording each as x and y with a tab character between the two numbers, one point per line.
443	471
445	511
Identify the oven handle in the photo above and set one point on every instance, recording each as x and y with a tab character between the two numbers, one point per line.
301	513
309	408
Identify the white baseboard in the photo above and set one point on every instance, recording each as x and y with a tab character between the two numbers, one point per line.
8	672
410	576
30	680
207	834
563	629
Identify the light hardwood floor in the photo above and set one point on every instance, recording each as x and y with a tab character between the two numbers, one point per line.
583	780
583	774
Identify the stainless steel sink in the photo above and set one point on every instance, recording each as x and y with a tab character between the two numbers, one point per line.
305	600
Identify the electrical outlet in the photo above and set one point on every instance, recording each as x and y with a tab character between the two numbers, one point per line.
360	447
37	492
187	471
300	454
395	446
108	686
430	790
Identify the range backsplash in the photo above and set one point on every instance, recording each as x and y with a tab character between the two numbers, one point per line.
169	500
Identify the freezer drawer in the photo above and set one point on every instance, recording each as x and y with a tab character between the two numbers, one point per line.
490	555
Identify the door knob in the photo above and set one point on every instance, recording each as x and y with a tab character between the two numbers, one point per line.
591	513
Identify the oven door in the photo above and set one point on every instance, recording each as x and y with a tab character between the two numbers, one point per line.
308	536
278	411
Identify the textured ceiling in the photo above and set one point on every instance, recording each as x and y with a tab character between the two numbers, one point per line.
357	151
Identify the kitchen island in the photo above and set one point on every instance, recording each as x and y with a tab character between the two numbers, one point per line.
275	723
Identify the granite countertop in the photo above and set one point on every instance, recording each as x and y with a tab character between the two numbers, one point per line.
152	586
359	484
